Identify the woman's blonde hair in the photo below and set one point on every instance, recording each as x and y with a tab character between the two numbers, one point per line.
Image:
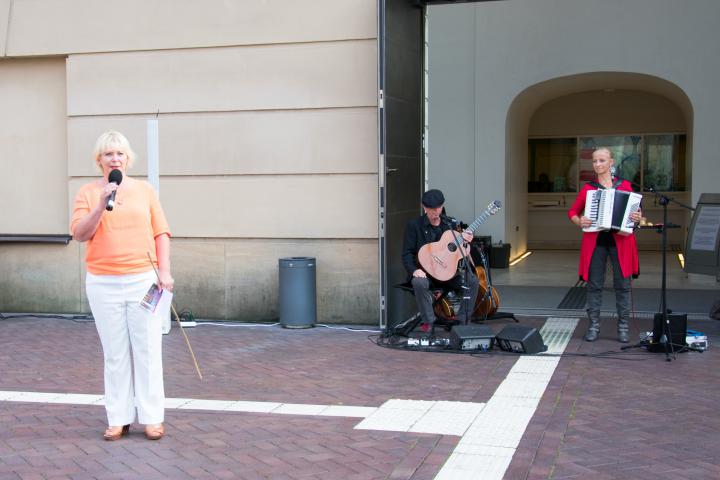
605	149
113	139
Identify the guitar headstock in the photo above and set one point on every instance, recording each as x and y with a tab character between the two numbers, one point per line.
493	207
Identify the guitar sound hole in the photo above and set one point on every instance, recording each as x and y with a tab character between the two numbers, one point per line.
452	247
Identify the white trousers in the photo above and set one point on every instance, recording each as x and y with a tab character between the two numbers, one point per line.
125	327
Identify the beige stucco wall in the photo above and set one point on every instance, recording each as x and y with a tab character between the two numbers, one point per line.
268	141
32	146
58	27
40	278
237	279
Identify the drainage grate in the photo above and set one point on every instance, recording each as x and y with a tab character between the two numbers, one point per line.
575	298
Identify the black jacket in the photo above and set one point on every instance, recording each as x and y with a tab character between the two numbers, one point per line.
418	232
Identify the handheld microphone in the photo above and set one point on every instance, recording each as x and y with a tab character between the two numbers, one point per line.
115	177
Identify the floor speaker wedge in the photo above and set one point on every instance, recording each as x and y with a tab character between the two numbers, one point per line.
472	337
520	339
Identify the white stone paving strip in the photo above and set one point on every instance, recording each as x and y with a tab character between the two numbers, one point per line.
199	404
487	447
490	432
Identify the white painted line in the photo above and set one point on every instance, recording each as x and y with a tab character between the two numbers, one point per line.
422	416
199	404
390	419
299	409
206	405
171	403
460	466
347	411
253	407
41	397
76	399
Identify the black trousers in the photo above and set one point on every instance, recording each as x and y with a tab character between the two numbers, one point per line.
424	298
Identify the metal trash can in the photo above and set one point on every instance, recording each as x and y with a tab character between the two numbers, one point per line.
298	306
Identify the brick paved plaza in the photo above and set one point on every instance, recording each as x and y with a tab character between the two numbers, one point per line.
631	415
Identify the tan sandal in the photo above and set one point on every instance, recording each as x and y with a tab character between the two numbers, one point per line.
154	432
115	433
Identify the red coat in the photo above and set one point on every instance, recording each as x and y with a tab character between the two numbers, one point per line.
626	246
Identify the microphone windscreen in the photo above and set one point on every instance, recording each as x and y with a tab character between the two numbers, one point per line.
115	176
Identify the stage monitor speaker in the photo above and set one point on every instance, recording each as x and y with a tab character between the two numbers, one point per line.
678	332
471	337
520	339
500	256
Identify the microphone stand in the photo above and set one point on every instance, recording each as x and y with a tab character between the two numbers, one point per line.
459	241
666	338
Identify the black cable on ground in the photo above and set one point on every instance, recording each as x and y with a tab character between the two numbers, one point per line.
81	318
400	343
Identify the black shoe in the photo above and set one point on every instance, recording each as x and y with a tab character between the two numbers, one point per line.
623	336
591	335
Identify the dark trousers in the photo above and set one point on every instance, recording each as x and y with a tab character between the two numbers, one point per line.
424	298
596	280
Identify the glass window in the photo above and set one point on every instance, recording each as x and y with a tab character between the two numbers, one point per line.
565	164
550	164
627	152
664	167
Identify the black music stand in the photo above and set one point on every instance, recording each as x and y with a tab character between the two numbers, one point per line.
702	249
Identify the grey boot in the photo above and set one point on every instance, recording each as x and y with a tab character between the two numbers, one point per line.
623	329
592	332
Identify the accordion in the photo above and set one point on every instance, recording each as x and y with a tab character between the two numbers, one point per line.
610	209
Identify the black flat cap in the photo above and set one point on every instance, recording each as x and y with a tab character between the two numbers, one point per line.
433	198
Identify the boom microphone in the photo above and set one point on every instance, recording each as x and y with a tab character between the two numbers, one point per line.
115	177
448	220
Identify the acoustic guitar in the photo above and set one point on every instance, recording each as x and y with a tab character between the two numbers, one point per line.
440	259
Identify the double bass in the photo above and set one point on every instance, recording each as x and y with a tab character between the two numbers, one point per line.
488	300
486	303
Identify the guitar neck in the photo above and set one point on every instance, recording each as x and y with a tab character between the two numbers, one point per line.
478	221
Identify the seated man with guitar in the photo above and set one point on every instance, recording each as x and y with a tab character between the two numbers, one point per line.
431	255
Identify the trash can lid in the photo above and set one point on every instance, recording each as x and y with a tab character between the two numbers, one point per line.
291	262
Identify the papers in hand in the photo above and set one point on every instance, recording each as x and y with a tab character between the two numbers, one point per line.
156	299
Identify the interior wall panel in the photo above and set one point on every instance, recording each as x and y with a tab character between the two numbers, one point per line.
4	16
341	74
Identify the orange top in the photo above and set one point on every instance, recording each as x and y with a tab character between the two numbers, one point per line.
126	234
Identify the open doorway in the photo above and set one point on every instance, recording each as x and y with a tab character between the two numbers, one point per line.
491	92
402	114
400	120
